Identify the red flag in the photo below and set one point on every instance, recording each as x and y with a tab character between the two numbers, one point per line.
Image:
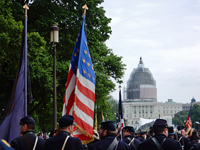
80	89
188	123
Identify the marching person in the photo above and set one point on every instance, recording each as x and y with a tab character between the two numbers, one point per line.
28	140
129	139
108	138
194	138
180	136
160	140
171	132
142	136
63	138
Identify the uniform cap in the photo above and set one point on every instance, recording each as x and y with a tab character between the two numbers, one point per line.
108	125
129	128
160	123
171	130
66	121
27	120
143	132
180	128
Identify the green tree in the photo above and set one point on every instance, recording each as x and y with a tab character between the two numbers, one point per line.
181	117
68	16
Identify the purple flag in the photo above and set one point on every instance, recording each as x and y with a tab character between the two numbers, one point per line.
16	108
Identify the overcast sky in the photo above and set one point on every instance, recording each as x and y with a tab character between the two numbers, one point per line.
166	34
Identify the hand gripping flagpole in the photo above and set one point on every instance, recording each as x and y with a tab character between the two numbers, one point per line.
25	64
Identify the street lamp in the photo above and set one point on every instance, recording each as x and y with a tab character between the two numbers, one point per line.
54	37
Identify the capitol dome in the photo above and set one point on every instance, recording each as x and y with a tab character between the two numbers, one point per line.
141	84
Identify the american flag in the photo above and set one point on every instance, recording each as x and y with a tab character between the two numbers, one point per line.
121	118
80	88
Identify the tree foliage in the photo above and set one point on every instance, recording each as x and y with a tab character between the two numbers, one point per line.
180	117
68	16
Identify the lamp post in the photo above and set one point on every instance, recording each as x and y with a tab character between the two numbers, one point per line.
54	39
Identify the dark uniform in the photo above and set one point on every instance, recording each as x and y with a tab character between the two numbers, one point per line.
182	139
160	138
128	132
22	142
107	140
190	144
127	140
27	141
105	143
168	144
56	142
195	147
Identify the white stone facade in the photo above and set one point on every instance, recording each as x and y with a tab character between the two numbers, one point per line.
134	110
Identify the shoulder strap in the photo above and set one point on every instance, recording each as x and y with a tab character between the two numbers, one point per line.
65	142
157	143
36	140
27	141
133	144
180	138
113	144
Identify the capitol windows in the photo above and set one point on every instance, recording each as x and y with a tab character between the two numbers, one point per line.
163	111
142	111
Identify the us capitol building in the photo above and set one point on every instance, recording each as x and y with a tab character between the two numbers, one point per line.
140	99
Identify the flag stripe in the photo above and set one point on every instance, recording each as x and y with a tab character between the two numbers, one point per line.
70	85
82	137
85	92
83	107
83	123
84	99
84	117
86	83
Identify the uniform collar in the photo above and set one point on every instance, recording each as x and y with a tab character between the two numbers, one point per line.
29	131
65	132
159	134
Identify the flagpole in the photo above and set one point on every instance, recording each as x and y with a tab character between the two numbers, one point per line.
25	63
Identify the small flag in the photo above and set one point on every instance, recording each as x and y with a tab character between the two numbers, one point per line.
121	118
188	123
80	89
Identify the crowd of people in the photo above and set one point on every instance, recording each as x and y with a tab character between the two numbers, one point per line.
160	137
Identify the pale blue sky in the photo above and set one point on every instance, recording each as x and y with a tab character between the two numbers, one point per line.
166	34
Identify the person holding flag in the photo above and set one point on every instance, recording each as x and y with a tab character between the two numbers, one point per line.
79	96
